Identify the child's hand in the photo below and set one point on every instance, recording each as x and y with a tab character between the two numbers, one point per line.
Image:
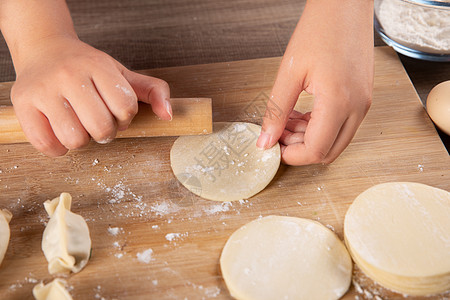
67	91
330	55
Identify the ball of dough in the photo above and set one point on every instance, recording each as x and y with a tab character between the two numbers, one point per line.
398	233
438	106
280	257
225	165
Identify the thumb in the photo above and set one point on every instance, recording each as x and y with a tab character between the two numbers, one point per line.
285	92
153	91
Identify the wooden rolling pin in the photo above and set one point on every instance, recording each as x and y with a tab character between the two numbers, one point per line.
191	116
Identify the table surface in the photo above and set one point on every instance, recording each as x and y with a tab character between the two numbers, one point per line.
129	184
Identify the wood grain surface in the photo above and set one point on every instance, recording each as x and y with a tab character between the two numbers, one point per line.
128	184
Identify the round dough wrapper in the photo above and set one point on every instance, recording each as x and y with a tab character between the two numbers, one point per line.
225	165
399	235
280	257
5	218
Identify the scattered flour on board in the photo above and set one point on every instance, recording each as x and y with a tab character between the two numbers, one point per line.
114	230
145	256
164	208
97	291
175	235
210	292
222	207
21	283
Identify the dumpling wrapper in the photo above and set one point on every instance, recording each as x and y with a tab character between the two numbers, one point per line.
66	243
54	290
225	165
278	257
5	218
398	233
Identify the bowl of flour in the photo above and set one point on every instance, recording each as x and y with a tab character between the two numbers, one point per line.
415	28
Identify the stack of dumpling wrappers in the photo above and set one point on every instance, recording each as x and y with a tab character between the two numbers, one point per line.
399	235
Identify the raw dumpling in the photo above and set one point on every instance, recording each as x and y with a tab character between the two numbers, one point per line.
54	290
5	217
66	242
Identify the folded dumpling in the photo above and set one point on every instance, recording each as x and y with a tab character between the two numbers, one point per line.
5	217
66	242
54	290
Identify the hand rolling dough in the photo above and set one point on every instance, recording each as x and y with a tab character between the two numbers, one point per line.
285	258
398	233
225	165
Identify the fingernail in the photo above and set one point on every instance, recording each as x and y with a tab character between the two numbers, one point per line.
263	140
105	141
168	108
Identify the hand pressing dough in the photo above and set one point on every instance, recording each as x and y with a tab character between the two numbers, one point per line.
66	242
225	165
54	290
5	218
398	233
285	258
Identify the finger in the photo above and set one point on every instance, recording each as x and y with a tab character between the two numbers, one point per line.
38	131
151	90
66	125
344	138
92	112
296	125
118	96
284	96
320	135
289	137
298	115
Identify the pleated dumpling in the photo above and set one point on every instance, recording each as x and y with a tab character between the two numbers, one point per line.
54	290
5	217
66	242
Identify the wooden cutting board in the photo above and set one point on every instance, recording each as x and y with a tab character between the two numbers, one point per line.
128	184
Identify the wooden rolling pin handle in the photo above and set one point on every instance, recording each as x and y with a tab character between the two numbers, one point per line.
191	116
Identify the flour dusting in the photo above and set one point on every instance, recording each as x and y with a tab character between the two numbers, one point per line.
419	27
145	256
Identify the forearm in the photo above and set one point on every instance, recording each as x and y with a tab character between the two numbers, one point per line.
342	30
351	19
27	24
